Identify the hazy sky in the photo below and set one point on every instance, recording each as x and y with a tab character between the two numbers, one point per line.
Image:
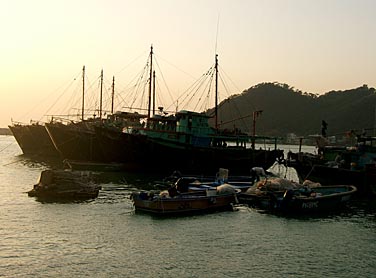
315	46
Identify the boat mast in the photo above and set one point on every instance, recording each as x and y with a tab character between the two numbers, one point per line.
150	79
216	91
255	115
153	92
100	99
83	93
113	95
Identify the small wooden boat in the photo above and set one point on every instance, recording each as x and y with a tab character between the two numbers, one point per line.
300	199
62	185
200	182
174	203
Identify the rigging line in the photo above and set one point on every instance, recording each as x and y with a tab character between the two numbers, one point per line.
119	100
233	101
195	92
159	96
77	98
232	82
133	61
7	146
71	102
230	101
209	85
143	78
224	84
188	91
142	85
204	78
48	96
10	163
133	93
190	75
164	80
136	78
107	96
57	100
139	87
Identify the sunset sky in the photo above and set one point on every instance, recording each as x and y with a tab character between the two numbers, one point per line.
314	46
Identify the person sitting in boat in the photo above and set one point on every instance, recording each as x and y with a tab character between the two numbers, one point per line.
338	162
256	173
173	177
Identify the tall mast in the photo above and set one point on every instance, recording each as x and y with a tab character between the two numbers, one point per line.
150	79
153	92
216	91
83	93
113	95
100	99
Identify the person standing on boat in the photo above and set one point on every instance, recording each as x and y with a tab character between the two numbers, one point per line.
324	126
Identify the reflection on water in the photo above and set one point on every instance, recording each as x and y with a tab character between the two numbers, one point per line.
104	237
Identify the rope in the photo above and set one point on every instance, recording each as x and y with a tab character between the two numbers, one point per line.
10	163
7	146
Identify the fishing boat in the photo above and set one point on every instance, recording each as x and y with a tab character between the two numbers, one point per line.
63	185
345	165
33	139
118	144
188	142
172	202
76	140
185	140
289	197
203	182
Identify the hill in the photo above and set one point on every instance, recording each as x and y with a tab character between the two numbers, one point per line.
287	110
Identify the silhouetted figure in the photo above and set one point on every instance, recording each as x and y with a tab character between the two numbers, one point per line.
256	173
324	126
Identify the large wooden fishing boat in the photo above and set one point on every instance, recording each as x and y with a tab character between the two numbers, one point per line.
33	139
76	140
185	141
188	143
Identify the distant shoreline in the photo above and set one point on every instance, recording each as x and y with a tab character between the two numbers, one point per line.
5	131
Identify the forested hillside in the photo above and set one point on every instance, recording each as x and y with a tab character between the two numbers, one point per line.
287	110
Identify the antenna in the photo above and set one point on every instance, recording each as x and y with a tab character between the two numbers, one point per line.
216	36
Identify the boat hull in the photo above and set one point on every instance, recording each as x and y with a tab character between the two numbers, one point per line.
34	140
142	152
197	159
325	199
76	141
183	204
363	179
64	185
63	195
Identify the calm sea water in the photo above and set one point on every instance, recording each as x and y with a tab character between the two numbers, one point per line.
105	238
